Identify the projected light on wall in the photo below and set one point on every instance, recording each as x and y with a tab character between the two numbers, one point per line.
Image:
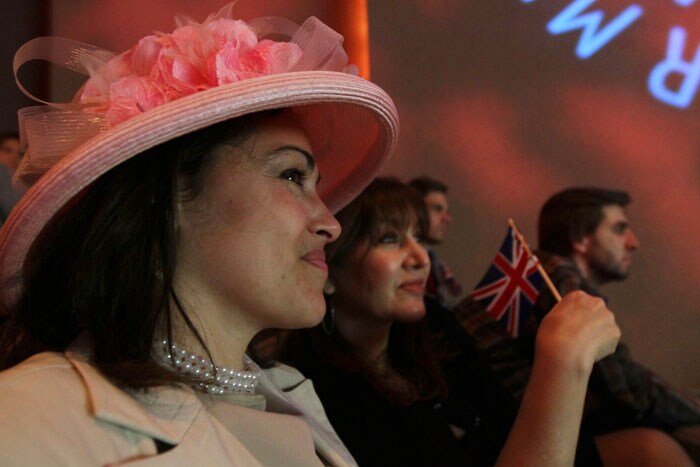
597	31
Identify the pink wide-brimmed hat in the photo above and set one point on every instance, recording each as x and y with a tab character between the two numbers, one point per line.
169	85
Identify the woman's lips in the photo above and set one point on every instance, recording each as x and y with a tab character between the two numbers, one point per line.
316	258
416	287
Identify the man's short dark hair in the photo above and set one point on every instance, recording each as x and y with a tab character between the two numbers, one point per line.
570	215
425	185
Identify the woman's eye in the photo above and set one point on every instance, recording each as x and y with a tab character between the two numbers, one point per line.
294	175
389	238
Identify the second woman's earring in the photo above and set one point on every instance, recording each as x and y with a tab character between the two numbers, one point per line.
328	322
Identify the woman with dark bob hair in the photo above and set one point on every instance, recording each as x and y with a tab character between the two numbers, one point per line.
175	212
383	376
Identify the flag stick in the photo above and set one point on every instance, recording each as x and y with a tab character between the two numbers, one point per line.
545	276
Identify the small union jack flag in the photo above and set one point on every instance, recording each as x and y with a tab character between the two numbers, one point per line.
511	285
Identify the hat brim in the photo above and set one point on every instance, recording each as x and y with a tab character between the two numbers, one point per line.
351	123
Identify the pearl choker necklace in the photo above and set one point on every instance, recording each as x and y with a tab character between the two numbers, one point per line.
215	380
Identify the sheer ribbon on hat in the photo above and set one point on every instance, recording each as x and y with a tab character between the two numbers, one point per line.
159	69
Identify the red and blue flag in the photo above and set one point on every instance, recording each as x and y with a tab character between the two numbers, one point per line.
511	285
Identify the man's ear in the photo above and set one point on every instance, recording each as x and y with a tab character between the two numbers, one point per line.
581	246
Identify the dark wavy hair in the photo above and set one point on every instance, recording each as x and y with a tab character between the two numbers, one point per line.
103	267
411	352
570	215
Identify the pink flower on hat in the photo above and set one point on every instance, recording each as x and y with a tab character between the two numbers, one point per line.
195	57
234	32
270	57
145	55
133	95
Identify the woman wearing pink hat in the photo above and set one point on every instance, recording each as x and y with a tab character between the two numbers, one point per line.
176	210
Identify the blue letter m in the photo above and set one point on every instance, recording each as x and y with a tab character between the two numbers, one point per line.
593	37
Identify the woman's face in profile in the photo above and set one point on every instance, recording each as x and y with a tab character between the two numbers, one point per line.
386	281
251	245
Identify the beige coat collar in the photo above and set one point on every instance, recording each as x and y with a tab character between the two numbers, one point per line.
167	413
163	413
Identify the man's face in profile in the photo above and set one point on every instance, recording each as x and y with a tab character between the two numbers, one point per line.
610	246
436	203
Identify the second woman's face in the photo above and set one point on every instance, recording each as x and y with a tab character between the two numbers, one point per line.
251	244
384	282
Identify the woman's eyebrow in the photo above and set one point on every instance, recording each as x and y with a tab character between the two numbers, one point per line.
310	161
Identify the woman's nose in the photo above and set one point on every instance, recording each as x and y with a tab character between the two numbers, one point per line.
324	223
417	256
